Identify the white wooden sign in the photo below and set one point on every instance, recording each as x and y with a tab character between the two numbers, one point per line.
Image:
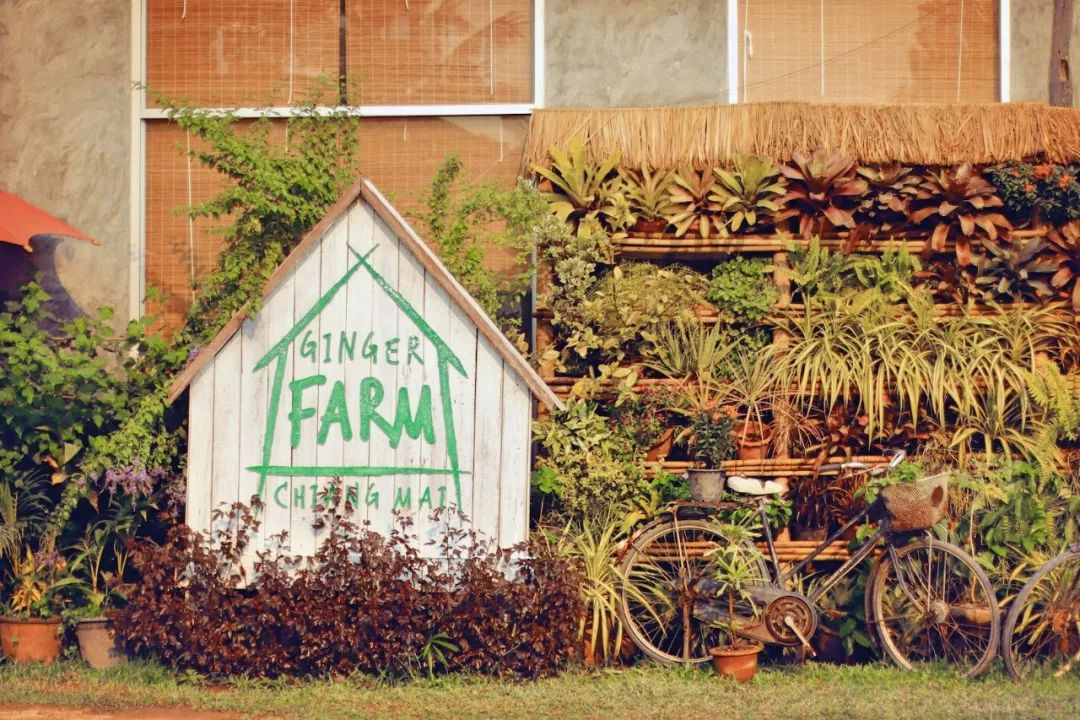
368	362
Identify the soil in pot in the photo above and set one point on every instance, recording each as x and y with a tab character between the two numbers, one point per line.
752	439
706	485
35	640
739	663
97	644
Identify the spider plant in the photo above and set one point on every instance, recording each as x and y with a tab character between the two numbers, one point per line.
683	349
24	508
752	192
823	191
959	205
691	195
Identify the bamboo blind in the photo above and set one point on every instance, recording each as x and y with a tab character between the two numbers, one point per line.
878	51
400	155
440	51
236	53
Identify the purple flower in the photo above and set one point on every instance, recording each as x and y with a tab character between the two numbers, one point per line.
193	353
133	481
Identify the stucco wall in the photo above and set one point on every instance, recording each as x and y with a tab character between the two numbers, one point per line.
635	52
65	135
1031	24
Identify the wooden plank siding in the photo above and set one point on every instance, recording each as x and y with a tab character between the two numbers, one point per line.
232	396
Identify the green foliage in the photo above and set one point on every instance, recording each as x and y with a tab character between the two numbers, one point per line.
1051	191
649	193
597	468
735	567
587	196
742	289
818	273
464	220
272	196
711	438
751	193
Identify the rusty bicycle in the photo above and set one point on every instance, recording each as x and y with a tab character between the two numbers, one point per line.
1042	629
927	601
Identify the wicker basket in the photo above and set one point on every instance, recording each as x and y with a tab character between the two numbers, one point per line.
917	505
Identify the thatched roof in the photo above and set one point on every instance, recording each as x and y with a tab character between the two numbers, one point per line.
711	135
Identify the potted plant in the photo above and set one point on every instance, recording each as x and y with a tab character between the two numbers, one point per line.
810	508
735	567
30	624
649	194
710	439
752	387
97	643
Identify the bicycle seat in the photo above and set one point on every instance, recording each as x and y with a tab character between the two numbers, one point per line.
753	486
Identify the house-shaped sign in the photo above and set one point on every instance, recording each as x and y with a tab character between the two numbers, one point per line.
367	362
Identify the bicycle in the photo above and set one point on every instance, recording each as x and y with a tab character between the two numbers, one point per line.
1042	629
926	599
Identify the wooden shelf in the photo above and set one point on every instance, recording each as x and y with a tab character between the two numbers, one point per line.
773	467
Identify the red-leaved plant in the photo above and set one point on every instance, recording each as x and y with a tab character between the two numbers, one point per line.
362	603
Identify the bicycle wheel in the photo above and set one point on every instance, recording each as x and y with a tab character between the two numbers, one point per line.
661	576
1042	629
929	601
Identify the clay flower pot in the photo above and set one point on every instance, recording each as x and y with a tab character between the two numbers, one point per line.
654	226
752	439
32	640
738	663
663	446
97	644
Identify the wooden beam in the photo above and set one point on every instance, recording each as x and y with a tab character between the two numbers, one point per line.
1061	92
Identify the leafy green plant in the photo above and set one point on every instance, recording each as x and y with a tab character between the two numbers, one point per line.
711	438
742	289
693	197
596	468
734	566
685	349
959	205
464	220
750	194
583	194
823	191
649	193
1049	191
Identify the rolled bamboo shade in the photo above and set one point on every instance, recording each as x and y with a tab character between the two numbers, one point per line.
881	51
399	154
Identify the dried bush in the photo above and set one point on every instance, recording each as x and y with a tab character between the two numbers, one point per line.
362	603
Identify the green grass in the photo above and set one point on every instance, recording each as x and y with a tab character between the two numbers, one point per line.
808	692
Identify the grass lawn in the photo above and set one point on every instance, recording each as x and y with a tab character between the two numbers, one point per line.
811	691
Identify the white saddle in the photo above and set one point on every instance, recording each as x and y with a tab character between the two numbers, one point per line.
753	486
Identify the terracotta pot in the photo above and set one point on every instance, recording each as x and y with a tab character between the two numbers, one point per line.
816	534
97	644
829	647
544	185
736	663
655	226
34	640
663	446
756	441
706	485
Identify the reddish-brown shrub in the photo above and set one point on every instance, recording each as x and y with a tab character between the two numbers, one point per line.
363	602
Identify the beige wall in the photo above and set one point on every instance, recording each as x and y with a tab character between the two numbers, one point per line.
1031	24
65	135
635	52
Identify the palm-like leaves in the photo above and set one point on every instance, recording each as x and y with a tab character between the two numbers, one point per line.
692	195
649	193
583	189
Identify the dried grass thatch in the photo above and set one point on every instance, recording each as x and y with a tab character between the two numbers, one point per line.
705	136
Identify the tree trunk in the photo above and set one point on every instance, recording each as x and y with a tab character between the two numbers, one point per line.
1061	92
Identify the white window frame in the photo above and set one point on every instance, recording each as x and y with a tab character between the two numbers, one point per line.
141	115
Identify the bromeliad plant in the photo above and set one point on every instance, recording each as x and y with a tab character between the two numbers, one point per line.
958	204
697	208
649	193
823	191
750	194
892	188
583	192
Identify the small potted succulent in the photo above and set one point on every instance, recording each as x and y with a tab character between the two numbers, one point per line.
30	623
735	568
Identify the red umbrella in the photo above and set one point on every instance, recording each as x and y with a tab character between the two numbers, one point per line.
20	221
